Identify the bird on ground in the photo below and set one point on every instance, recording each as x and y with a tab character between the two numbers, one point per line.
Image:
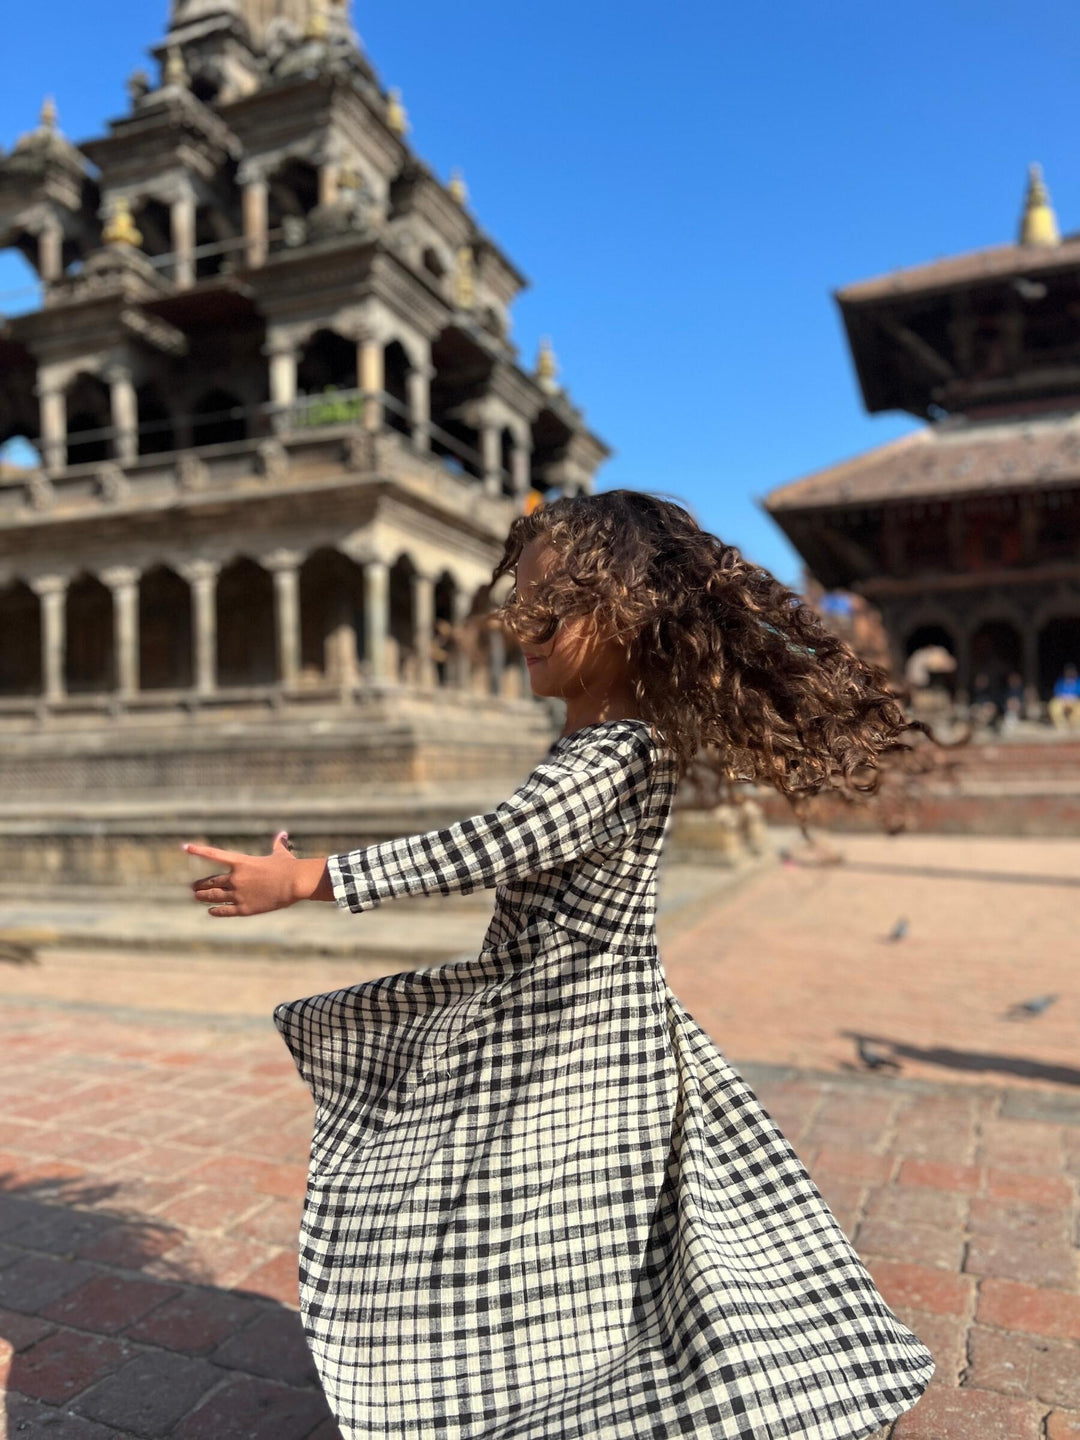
874	1059
1038	1006
900	929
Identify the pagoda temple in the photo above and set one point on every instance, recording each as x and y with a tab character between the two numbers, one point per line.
281	428
965	534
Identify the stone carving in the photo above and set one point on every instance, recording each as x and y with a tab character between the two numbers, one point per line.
191	473
40	492
272	461
356	450
113	486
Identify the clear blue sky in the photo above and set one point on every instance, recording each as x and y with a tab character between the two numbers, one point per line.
684	185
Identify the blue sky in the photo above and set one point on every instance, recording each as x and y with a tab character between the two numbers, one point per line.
684	186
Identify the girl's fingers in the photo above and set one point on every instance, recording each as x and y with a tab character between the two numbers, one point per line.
216	897
220	857
212	882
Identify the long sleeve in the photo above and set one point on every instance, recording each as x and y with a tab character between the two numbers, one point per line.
573	804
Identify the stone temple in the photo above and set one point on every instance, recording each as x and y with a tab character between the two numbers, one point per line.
281	429
966	533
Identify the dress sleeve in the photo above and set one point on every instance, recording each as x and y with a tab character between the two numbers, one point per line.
574	803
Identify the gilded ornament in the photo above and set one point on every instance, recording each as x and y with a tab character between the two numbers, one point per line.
120	228
1039	225
465	278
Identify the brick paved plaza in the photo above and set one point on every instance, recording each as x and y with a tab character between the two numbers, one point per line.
153	1143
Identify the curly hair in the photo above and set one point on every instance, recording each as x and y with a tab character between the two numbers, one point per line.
725	663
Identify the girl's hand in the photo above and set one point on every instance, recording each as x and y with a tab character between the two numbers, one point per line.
254	885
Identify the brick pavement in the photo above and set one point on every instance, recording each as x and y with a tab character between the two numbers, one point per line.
152	1161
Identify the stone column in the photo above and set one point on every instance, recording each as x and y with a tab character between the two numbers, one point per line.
202	576
286	569
491	451
420	378
522	466
283	369
376	617
124	584
53	414
424	630
371	368
52	591
461	668
256	206
182	224
125	414
50	253
328	184
498	659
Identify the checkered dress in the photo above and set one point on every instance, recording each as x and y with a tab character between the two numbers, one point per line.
541	1203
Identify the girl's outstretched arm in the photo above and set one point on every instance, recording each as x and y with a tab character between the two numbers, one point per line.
571	805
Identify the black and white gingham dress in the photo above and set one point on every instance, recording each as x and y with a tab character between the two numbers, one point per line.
541	1203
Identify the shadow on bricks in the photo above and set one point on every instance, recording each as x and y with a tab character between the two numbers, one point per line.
101	1337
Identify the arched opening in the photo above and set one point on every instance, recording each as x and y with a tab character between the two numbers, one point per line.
89	421
997	651
156	436
209	258
401	648
165	639
327	362
218	419
20	641
446	645
396	384
91	667
331	618
433	264
925	669
155	225
550	439
293	194
462	370
1059	645
246	626
507	449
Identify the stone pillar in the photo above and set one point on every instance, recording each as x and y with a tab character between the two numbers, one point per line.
420	378
498	659
371	368
125	414
50	253
424	630
256	206
522	466
461	666
202	575
53	415
124	584
491	452
52	591
283	370
376	617
286	569
328	184
182	224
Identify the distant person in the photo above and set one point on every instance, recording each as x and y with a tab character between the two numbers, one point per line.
1014	701
984	706
1064	706
542	1203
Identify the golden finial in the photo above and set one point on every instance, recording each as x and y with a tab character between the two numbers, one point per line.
465	279
120	229
175	69
1039	225
397	118
318	22
547	367
48	113
457	187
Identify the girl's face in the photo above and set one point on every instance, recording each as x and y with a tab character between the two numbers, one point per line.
574	661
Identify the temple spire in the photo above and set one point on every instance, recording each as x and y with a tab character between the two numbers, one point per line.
1039	225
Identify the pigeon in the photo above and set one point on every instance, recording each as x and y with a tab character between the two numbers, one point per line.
900	929
1037	1006
874	1059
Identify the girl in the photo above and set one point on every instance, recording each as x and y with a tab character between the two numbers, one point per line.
541	1203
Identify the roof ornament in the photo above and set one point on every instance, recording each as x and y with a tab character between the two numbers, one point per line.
120	228
175	74
547	367
318	21
397	117
465	278
49	114
457	187
1039	225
